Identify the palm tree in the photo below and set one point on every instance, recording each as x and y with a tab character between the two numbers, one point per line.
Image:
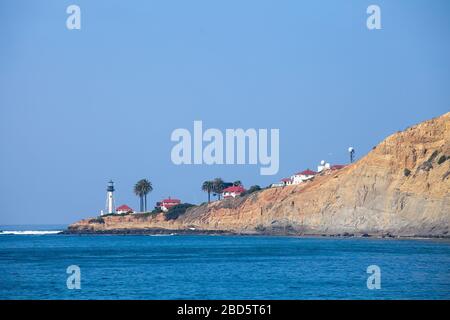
218	185
141	189
208	186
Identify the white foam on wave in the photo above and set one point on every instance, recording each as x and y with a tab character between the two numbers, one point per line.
30	232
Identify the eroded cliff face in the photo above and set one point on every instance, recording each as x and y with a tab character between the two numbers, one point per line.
402	187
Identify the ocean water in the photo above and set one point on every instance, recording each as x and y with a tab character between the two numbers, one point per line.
221	267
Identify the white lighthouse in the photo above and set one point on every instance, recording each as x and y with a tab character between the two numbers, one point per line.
110	208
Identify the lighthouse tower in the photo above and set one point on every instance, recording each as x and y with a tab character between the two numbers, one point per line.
110	208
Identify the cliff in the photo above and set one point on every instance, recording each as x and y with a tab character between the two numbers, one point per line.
401	188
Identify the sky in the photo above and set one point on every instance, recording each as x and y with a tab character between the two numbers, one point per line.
81	107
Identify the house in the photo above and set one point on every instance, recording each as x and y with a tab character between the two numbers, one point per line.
124	209
278	184
232	192
283	182
225	185
166	204
286	181
295	179
305	175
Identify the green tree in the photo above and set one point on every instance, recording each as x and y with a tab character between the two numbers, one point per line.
208	186
237	183
218	186
141	189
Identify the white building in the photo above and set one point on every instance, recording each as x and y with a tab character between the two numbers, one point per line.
168	203
278	184
286	181
300	177
124	209
232	192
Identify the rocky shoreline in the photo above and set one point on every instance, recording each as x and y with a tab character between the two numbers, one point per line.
181	232
146	231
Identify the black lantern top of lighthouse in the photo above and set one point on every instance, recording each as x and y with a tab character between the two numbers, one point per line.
110	187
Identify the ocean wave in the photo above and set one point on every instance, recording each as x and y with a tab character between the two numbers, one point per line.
30	232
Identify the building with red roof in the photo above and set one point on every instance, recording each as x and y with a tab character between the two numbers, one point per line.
232	192
307	172
168	203
286	181
302	176
124	209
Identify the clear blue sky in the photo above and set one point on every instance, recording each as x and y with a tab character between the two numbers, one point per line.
80	107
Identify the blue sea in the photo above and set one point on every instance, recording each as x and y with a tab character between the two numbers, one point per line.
221	267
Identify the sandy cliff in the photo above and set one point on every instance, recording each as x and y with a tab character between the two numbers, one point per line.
402	187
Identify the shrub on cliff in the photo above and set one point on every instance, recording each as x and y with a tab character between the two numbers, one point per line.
426	166
97	220
145	215
251	190
116	214
442	159
177	211
433	156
